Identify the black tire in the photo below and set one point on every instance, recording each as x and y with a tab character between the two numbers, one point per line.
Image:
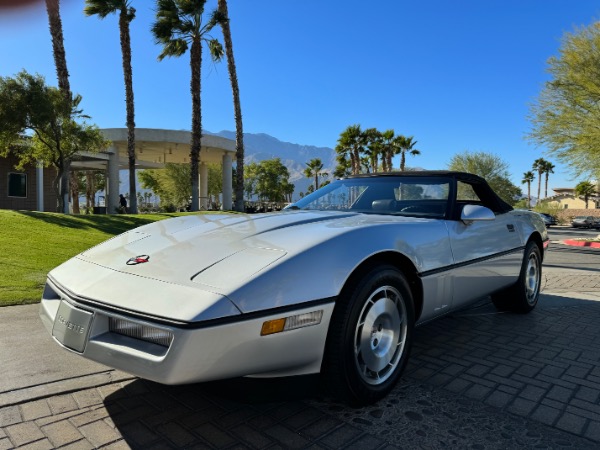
524	294
370	335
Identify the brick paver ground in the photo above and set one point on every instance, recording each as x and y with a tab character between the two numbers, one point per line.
476	379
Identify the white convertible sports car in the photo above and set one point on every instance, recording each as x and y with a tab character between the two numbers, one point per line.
334	284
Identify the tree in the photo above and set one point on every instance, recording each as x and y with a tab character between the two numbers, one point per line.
406	145
171	184
565	118
58	48
351	143
103	8
586	190
539	166
374	147
313	169
269	179
548	169
528	177
179	26
37	123
388	138
343	167
62	73
237	108
490	167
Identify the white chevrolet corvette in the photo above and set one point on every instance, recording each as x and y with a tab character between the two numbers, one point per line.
334	284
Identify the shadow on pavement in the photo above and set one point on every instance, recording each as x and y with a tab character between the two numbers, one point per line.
215	414
476	378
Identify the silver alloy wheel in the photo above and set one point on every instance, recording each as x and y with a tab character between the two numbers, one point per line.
532	278
380	335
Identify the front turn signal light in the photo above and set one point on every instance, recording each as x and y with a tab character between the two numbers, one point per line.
291	322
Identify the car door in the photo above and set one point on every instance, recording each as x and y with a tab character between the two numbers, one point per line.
487	254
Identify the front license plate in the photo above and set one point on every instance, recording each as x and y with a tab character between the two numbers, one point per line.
71	326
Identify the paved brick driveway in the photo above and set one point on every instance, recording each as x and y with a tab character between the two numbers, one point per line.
476	379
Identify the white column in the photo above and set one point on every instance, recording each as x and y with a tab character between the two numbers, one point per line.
39	179
112	200
203	186
227	185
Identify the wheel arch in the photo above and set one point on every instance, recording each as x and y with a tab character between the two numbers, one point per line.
402	263
537	239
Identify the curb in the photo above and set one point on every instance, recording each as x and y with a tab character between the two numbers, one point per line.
581	243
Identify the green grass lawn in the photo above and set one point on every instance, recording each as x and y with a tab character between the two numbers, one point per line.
32	243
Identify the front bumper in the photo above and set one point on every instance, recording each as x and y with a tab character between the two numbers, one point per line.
197	352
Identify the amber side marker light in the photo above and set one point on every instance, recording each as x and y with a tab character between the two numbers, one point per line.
291	322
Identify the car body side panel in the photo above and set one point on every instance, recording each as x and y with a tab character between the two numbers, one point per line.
437	294
488	256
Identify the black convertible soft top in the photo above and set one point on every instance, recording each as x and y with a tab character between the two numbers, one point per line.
480	186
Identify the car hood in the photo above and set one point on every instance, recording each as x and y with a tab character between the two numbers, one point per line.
178	249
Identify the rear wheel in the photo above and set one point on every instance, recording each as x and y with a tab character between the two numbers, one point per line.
370	335
523	295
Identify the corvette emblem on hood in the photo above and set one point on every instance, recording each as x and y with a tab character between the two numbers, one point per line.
138	260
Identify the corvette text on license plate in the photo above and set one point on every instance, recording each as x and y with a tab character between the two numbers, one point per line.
72	326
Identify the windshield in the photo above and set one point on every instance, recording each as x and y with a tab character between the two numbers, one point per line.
410	196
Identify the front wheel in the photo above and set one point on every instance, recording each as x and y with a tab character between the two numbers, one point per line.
370	335
523	295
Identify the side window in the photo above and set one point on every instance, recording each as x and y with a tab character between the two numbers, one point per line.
465	193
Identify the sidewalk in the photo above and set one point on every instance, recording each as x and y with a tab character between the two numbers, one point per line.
475	379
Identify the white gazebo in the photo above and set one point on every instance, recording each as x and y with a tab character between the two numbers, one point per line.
153	149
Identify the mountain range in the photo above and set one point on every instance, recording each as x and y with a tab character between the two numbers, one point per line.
260	146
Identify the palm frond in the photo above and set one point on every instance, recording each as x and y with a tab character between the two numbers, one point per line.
102	8
191	7
216	50
175	47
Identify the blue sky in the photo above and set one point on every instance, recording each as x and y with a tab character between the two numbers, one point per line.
457	75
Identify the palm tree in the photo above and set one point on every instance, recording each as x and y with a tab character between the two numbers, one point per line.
58	48
313	169
374	147
178	26
406	145
60	61
539	165
548	169
528	177
586	190
387	149
237	108
352	142
103	8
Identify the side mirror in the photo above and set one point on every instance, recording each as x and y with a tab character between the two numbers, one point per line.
476	213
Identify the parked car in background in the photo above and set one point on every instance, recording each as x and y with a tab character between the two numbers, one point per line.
549	219
597	223
333	284
583	222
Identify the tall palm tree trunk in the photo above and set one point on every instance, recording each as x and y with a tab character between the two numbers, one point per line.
539	185
237	108
529	194
402	160
196	64
58	48
546	187
60	61
124	20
